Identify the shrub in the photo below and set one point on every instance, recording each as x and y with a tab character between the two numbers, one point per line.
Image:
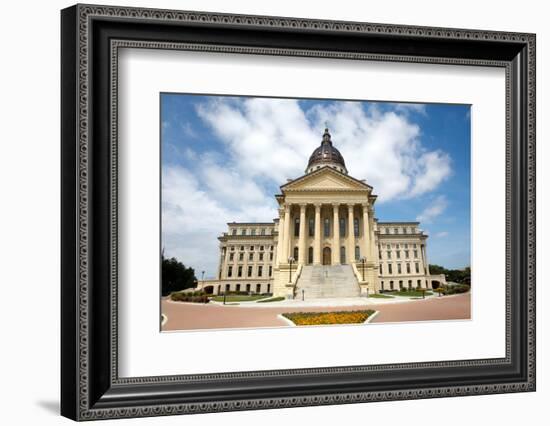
456	289
194	297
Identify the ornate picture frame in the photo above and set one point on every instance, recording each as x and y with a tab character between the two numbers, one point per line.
90	39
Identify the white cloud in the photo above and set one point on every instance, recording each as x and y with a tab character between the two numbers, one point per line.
193	218
441	234
433	210
407	108
273	138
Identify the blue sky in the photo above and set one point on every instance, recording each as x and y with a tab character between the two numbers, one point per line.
223	159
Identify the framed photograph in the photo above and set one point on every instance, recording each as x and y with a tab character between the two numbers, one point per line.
263	212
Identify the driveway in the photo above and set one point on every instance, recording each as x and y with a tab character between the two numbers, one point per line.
191	316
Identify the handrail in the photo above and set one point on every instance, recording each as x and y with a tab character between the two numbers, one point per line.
294	282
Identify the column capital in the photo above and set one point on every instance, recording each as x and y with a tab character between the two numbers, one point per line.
336	205
317	206
287	207
303	206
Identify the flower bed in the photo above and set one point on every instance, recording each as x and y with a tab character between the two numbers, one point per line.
325	318
194	297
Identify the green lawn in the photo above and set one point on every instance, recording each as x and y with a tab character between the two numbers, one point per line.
410	293
238	298
273	299
381	296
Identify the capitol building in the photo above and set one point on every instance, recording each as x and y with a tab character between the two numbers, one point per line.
326	241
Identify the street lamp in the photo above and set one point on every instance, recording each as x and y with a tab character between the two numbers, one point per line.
202	276
363	261
290	260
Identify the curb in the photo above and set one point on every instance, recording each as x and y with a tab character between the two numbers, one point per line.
285	319
373	316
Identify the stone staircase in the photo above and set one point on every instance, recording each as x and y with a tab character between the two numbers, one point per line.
320	281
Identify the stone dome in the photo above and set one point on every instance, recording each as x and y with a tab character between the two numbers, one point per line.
326	155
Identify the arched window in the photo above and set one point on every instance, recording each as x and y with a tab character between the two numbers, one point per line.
342	255
310	255
296	253
311	227
357	253
356	227
297	227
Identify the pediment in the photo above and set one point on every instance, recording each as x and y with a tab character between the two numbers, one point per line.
325	179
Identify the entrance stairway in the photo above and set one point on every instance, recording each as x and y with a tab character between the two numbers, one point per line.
320	281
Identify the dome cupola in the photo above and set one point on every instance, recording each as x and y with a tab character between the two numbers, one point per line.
326	155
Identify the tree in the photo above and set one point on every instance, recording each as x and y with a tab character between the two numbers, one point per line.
176	277
461	276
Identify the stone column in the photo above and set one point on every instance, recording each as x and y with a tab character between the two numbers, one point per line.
286	239
280	245
317	238
366	233
302	241
336	235
351	236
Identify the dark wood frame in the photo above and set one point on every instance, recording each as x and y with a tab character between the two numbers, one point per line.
90	386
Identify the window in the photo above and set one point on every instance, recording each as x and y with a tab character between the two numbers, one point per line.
271	256
415	254
408	268
234	232
357	253
380	268
248	288
399	268
249	271
253	232
311	227
251	248
296	227
310	255
261	248
270	270
406	254
241	248
387	230
271	248
396	230
262	232
342	227
391	285
400	284
381	285
356	227
296	253
243	231
416	268
326	228
418	283
232	248
388	253
238	287
261	256
250	256
390	269
388	246
258	288
268	288
410	284
398	254
231	256
240	271
404	230
230	271
227	287
379	254
342	255
260	270
406	246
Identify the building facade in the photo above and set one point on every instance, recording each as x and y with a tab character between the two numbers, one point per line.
325	242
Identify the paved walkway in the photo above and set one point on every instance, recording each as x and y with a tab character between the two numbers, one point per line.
191	316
